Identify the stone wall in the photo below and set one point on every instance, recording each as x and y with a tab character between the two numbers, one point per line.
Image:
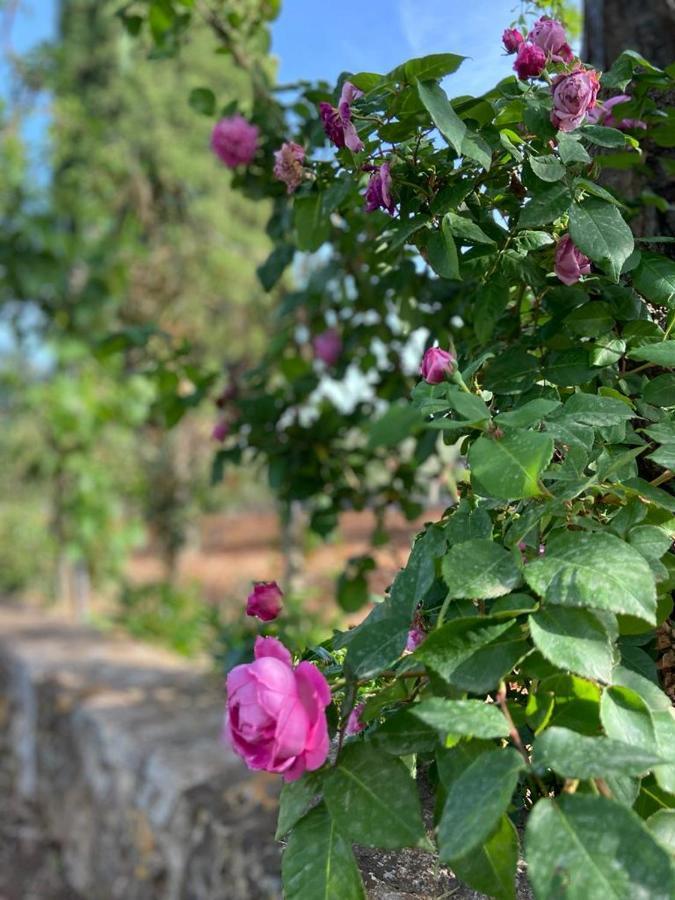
113	747
115	744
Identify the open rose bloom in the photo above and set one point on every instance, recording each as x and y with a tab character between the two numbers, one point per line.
574	95
276	718
235	141
550	36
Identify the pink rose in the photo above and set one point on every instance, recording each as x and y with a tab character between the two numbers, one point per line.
573	96
354	723
512	39
570	262
276	718
415	637
337	123
530	61
264	601
288	165
378	192
328	346
234	141
550	36
601	114
220	431
437	365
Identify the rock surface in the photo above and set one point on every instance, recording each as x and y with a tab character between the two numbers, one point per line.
114	784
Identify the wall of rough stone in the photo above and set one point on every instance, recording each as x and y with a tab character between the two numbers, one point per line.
116	745
113	746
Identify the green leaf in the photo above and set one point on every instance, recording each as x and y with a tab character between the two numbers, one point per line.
662	353
662	826
469	406
573	639
626	716
590	409
654	278
373	800
479	569
469	718
377	645
273	268
442	252
513	372
548	168
296	798
473	654
510	467
598	230
476	801
603	136
590	848
393	426
573	755
546	206
529	413
318	863
442	114
463	227
402	734
660	391
650	540
312	227
426	68
623	69
595	570
203	101
571	149
491	867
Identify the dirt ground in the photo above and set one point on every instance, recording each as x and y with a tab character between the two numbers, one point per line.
228	553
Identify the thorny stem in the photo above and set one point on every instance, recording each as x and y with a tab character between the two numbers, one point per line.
515	736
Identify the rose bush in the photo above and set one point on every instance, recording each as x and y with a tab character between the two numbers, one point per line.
511	664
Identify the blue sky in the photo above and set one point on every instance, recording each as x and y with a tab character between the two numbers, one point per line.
319	38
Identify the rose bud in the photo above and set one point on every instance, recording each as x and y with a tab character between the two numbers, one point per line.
354	723
437	365
570	262
530	61
264	601
512	39
328	346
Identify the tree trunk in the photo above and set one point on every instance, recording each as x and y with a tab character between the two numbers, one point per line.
611	26
648	27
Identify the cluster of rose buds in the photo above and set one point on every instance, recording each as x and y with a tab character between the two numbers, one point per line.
575	92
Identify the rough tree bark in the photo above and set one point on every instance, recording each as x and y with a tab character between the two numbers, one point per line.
611	26
647	26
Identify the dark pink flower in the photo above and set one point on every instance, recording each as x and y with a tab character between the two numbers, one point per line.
570	262
234	141
574	94
550	36
288	165
437	365
512	39
530	61
378	192
415	637
276	718
328	346
602	114
337	123
264	601
354	723
220	430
